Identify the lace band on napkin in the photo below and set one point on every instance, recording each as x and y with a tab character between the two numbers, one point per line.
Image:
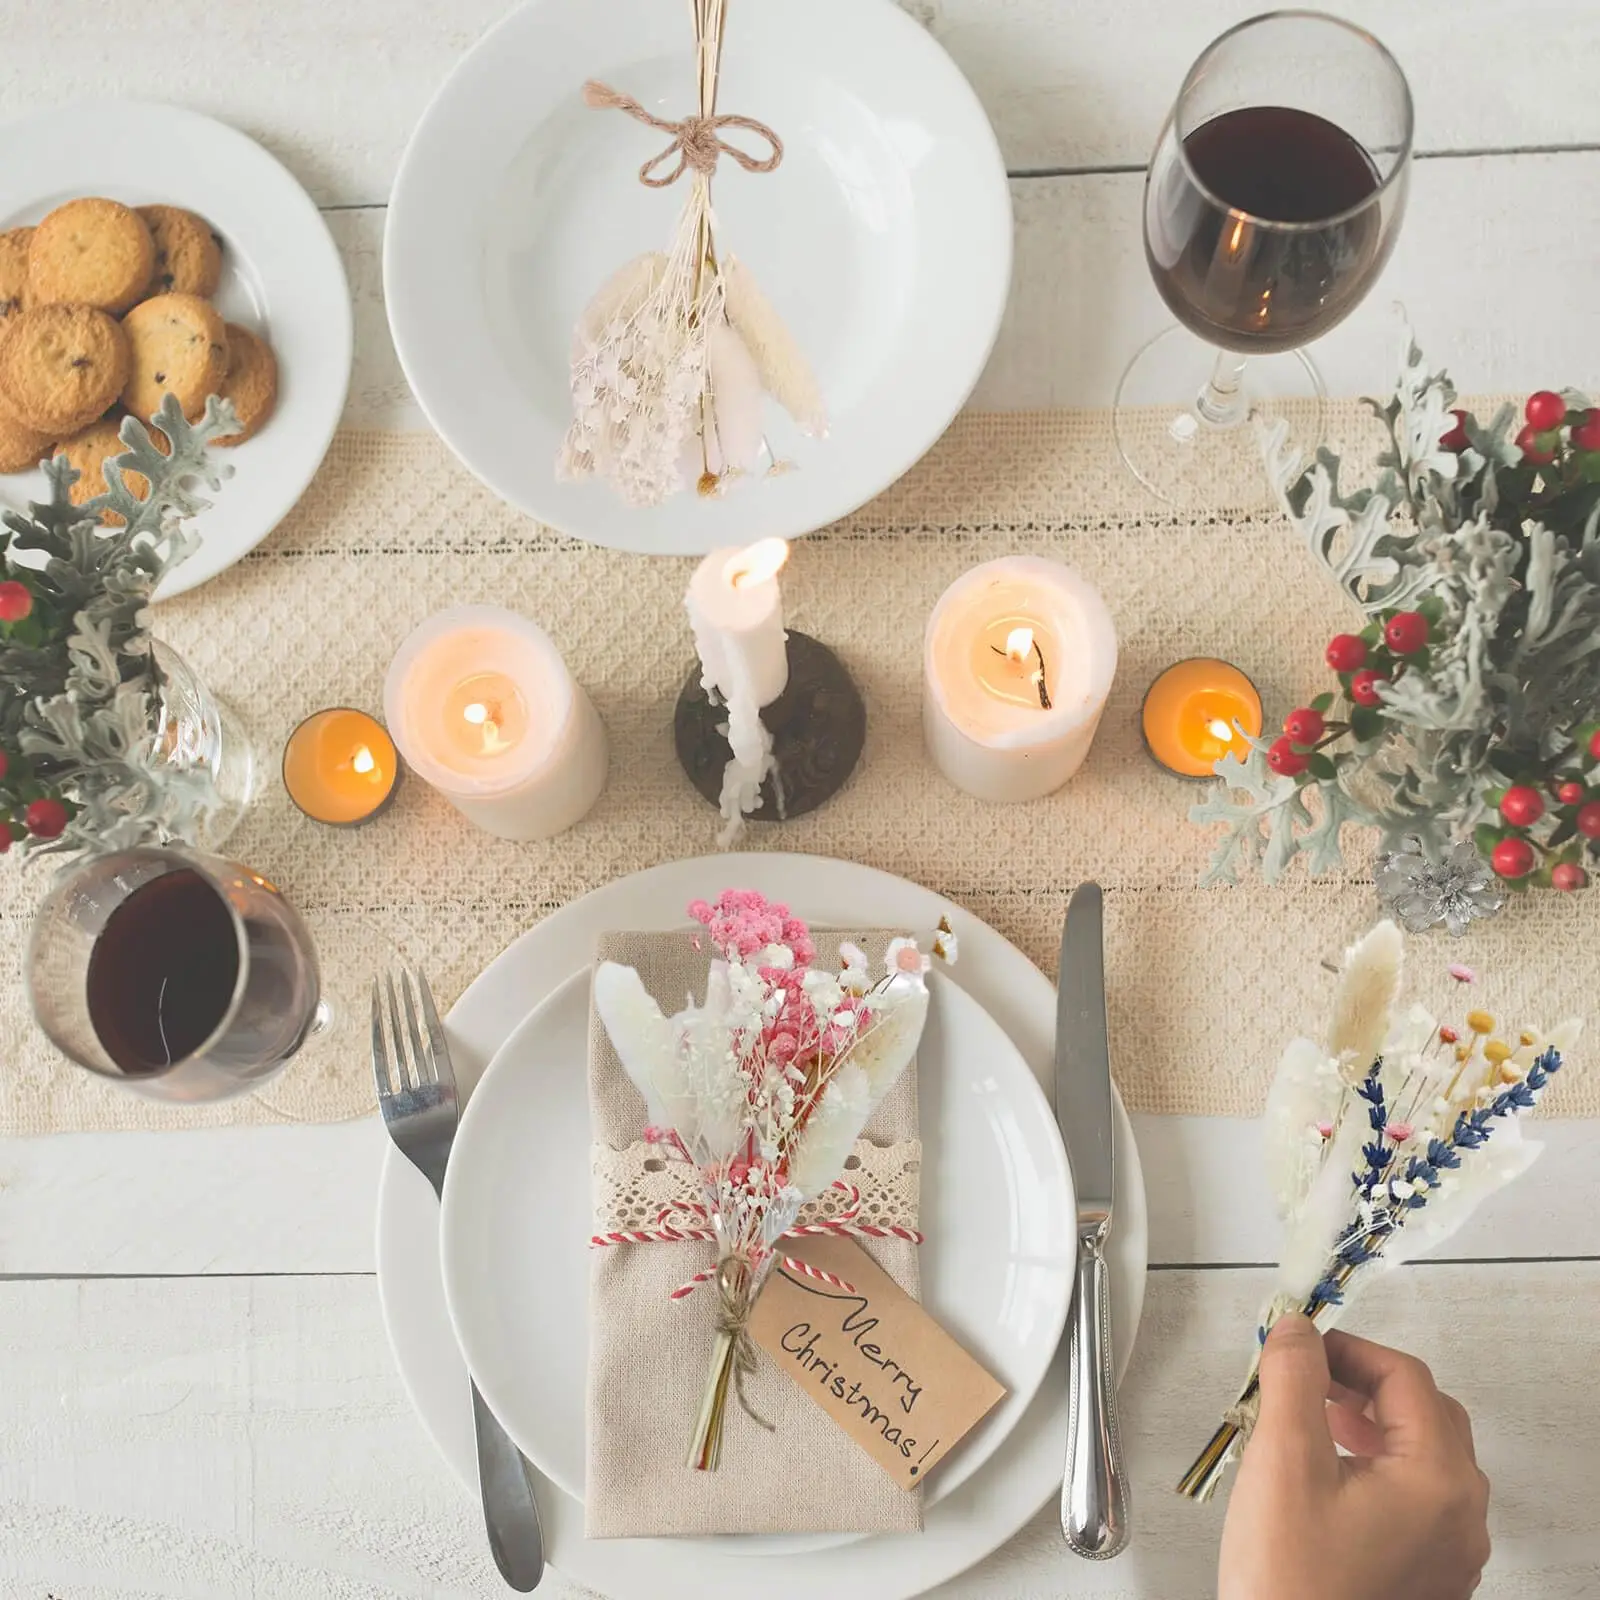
634	1185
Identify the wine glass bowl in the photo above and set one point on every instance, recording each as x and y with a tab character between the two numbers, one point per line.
1271	204
183	976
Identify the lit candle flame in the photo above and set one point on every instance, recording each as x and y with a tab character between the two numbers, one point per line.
757	564
1019	644
1218	729
363	760
477	713
1236	238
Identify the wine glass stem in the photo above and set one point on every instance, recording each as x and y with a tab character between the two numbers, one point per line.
1222	402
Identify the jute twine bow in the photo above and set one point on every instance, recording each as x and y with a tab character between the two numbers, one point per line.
733	1320
696	141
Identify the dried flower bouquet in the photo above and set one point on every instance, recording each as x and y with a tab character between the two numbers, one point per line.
764	1086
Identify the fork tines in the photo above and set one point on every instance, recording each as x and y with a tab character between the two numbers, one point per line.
406	1033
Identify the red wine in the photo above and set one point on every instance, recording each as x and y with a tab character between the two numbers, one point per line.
162	972
1225	271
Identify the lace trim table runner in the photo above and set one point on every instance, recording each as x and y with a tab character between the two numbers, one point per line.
1205	984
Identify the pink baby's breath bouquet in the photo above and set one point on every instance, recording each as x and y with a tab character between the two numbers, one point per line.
764	1086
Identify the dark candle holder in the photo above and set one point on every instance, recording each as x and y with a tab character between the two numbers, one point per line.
818	726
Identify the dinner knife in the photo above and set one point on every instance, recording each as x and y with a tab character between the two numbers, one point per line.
1094	1489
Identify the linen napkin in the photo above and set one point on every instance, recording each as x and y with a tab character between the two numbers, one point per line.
649	1354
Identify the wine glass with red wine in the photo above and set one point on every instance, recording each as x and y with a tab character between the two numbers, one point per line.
1271	204
183	976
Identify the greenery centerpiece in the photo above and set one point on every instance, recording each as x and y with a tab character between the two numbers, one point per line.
1465	721
84	763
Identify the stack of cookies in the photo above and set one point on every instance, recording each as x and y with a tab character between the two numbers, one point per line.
104	310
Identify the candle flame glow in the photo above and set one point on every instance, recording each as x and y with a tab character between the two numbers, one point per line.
477	713
1218	729
760	562
1236	238
363	760
1019	644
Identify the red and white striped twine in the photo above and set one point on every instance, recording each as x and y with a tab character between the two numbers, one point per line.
842	1226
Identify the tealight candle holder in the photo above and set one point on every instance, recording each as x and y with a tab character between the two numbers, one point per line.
341	767
1192	716
770	724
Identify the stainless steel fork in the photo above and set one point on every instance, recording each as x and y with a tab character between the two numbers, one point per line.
417	1096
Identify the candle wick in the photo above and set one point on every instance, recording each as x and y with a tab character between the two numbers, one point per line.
1044	692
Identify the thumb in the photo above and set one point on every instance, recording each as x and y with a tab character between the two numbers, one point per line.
1294	1394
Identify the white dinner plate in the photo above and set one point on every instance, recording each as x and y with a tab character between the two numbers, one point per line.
997	1209
986	1510
281	277
883	240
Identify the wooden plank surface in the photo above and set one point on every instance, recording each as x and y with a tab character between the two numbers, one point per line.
221	1439
334	89
300	1200
1477	237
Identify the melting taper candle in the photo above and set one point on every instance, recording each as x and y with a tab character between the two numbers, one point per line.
736	611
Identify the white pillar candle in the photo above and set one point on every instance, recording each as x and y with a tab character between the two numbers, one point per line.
736	612
1017	662
484	709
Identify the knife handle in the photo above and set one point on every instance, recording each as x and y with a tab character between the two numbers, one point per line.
1094	1492
510	1515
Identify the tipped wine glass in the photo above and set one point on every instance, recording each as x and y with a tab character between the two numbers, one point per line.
1271	205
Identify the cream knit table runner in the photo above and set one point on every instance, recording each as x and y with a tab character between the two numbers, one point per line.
1205	985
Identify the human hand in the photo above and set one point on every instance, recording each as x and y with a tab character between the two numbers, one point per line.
1404	1517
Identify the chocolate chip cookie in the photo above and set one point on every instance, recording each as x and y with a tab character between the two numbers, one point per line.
179	346
251	384
61	367
188	257
21	448
90	252
13	271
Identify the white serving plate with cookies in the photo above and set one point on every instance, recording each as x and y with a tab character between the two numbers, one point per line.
883	240
281	280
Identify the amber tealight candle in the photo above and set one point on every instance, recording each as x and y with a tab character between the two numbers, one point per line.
1193	713
340	767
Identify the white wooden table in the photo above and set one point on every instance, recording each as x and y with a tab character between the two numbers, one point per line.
196	1398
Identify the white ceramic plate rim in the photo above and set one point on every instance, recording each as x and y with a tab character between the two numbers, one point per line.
141	152
987	1510
464	1202
433	244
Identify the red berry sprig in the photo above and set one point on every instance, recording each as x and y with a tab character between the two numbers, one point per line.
1557	438
1380	653
46	819
1522	805
1545	410
1512	858
1406	632
1455	438
27	806
1346	652
1549	815
1364	687
16	601
1304	725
